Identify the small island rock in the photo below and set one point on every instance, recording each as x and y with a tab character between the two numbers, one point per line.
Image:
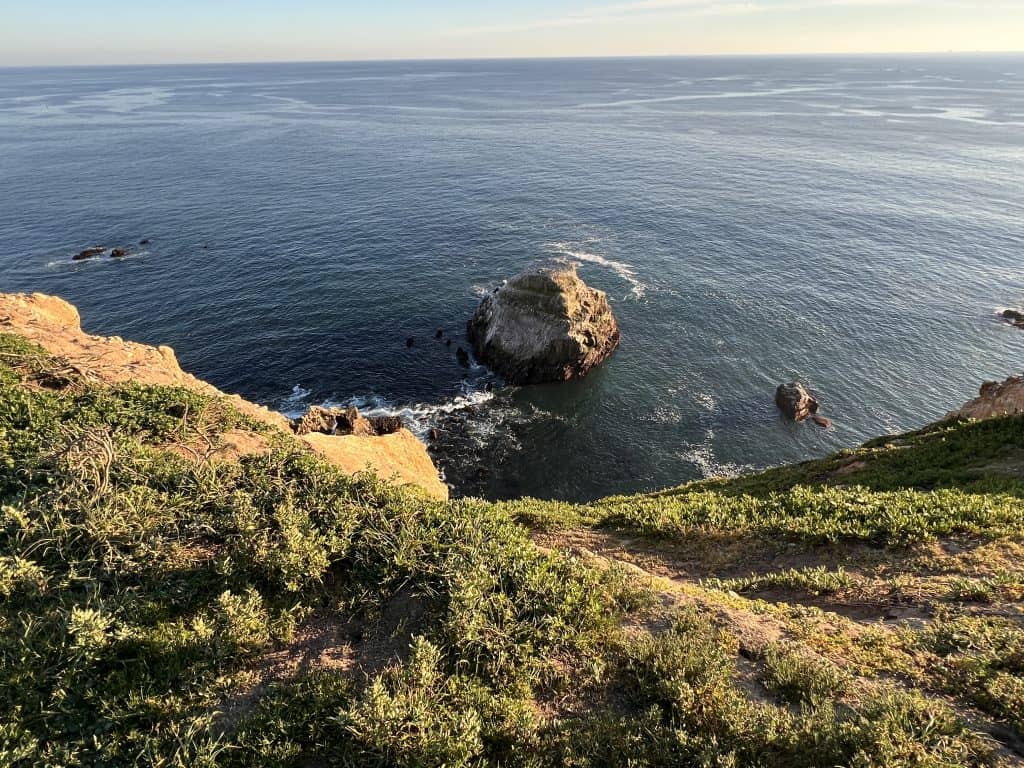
543	326
1013	317
118	253
795	401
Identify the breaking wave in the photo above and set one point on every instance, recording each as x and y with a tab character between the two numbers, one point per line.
702	456
419	418
620	268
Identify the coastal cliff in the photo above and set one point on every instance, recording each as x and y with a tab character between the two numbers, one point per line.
184	579
55	325
994	399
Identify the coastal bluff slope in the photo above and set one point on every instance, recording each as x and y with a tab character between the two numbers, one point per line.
159	599
55	325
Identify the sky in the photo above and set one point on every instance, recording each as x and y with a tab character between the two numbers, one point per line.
59	32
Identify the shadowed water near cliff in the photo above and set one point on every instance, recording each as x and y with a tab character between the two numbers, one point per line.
851	222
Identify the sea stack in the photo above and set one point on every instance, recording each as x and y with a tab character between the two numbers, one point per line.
795	401
543	326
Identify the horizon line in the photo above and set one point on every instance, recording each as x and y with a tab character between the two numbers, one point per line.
412	60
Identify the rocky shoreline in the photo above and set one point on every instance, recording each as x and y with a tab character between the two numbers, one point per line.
542	326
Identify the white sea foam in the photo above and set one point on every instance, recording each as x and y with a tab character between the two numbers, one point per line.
665	414
702	456
707	400
68	262
700	97
298	396
418	417
620	268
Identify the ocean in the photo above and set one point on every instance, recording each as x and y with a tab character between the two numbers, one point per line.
852	222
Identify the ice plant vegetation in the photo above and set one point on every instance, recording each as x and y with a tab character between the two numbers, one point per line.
159	608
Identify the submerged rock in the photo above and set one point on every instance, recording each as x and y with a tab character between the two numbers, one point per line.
543	326
1013	317
89	253
795	401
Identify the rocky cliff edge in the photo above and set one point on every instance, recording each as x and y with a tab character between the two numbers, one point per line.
55	325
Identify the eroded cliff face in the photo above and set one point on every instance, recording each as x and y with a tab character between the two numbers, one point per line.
543	326
995	399
55	325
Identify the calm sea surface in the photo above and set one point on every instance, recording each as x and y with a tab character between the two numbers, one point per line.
851	222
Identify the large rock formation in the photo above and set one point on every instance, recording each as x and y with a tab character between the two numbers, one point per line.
995	399
542	326
795	401
54	324
398	457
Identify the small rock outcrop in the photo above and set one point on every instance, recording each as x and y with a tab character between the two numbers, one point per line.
386	425
795	401
334	421
994	399
345	421
89	253
354	442
543	326
1013	317
119	253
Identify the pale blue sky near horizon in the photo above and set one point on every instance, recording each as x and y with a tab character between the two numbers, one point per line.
62	32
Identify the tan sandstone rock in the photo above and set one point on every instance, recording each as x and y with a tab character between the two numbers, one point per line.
54	324
335	421
543	326
995	399
399	457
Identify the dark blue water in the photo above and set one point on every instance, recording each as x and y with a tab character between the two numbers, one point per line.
854	222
